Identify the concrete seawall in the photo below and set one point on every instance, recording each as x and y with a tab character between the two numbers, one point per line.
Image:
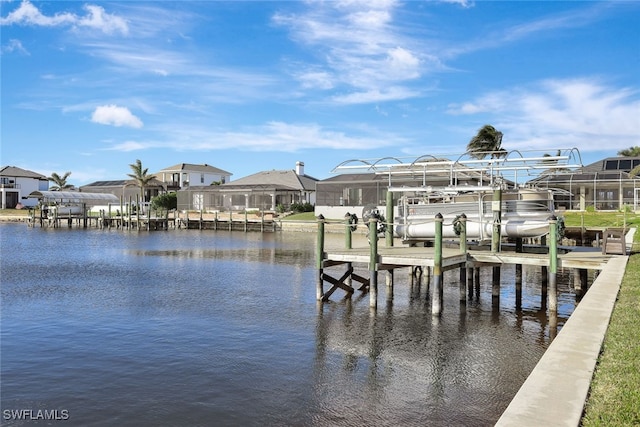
555	392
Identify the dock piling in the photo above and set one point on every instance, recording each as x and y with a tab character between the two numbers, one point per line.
553	264
373	261
389	229
437	291
463	250
319	258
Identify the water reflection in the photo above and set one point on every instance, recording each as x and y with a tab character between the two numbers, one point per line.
195	328
466	360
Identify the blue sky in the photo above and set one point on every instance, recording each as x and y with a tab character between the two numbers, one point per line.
89	87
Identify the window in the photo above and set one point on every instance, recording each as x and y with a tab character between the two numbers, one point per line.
611	165
201	178
625	164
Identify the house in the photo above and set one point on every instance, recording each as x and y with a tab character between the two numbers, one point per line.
126	189
16	184
260	191
184	175
604	185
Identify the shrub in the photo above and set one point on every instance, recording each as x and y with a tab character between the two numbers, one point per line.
167	201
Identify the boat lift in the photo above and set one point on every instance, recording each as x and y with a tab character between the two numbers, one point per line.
526	210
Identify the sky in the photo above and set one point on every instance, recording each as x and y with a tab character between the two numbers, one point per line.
247	86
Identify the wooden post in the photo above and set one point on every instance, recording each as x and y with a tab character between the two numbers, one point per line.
544	276
245	220
200	224
389	229
437	291
129	215
553	264
109	224
319	258
518	275
347	231
215	221
495	286
138	212
496	207
347	244
121	223
261	220
463	250
373	260
231	220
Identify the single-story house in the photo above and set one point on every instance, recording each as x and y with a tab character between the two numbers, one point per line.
126	189
16	184
260	191
604	185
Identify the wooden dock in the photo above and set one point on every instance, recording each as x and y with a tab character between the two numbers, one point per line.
154	223
429	263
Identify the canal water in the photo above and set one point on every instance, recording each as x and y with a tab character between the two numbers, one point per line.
217	328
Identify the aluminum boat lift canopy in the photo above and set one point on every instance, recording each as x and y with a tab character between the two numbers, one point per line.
496	169
72	197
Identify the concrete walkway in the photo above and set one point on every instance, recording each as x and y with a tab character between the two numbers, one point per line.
555	392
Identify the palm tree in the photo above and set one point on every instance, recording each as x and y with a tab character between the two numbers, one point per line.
140	176
487	140
630	152
60	182
552	162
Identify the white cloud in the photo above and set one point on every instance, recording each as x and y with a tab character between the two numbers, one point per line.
362	52
582	113
131	146
464	3
115	116
96	18
272	136
375	95
14	45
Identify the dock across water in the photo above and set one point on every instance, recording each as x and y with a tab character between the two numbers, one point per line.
336	266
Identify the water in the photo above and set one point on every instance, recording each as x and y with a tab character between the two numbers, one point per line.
208	328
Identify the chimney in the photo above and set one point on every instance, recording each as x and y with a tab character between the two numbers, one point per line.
300	168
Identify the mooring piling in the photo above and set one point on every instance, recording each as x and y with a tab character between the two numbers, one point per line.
319	257
553	264
463	250
437	291
373	262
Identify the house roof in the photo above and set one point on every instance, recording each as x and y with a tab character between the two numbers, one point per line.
601	165
190	167
278	179
21	173
120	182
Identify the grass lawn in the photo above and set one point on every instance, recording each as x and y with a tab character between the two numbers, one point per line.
14	212
601	219
304	216
614	398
